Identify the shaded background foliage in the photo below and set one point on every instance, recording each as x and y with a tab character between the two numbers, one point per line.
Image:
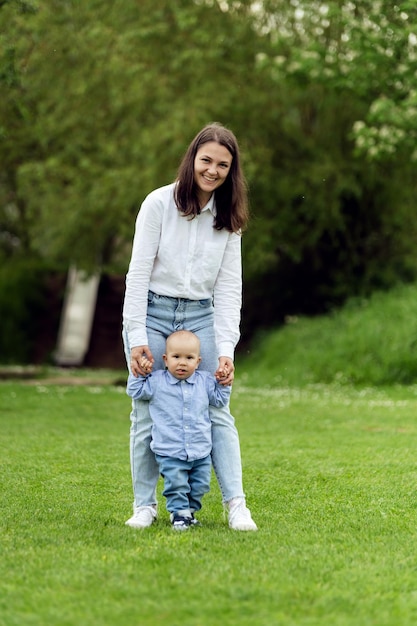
99	101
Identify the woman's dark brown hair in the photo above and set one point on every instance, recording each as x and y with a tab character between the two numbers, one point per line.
231	197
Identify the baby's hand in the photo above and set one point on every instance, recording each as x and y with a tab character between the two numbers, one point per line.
146	365
223	373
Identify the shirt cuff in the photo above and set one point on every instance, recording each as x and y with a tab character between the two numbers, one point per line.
136	338
226	348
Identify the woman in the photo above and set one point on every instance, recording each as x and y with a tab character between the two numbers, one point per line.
185	273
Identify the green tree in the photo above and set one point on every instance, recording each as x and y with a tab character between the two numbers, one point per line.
114	94
99	101
337	223
16	137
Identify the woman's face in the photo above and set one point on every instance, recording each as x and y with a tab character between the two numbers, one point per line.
211	166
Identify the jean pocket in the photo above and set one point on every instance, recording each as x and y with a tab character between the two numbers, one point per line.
152	297
206	303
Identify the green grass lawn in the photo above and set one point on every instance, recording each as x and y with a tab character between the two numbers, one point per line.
330	475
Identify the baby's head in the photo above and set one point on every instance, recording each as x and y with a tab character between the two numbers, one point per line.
182	354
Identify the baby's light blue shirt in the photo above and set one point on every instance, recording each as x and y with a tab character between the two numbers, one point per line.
181	426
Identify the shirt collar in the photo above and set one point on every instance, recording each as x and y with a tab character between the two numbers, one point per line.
173	381
210	206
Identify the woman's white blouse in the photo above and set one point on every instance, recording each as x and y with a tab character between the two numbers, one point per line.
176	256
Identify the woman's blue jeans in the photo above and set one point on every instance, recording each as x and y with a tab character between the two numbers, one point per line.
165	315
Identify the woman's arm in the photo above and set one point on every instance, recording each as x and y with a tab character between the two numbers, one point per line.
228	300
144	251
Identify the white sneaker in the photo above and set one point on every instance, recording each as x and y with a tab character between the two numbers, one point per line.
143	517
239	515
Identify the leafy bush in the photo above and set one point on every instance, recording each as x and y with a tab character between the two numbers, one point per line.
368	342
23	300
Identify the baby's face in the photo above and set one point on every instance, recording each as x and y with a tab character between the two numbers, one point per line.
182	356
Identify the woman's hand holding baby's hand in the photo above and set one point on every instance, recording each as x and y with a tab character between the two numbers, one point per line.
146	365
225	373
138	356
